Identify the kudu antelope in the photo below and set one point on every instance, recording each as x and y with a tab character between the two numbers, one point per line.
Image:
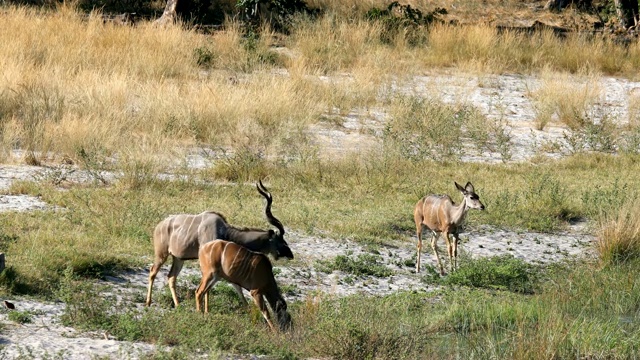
441	215
181	236
251	270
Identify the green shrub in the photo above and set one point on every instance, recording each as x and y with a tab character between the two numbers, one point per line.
403	19
422	128
364	264
499	272
543	203
21	317
204	57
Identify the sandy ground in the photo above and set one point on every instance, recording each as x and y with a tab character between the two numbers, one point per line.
500	97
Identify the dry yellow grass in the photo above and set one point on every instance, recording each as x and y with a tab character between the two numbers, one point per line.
131	90
618	234
73	85
564	98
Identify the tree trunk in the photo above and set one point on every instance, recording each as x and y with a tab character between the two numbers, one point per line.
169	15
1	262
627	11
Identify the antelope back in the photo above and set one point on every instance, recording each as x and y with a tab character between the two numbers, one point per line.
238	265
183	234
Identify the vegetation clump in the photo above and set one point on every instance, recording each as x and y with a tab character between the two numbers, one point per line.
618	234
498	272
364	264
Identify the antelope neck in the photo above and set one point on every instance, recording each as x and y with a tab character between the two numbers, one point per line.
460	211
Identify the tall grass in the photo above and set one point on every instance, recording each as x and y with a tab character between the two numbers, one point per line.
136	89
151	89
421	128
552	103
483	48
618	233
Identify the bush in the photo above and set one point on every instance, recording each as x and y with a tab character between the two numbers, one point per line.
422	128
21	317
365	264
500	272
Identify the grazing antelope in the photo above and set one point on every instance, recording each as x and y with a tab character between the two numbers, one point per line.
181	236
441	215
251	270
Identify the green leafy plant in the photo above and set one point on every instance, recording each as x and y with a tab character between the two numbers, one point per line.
204	56
21	317
499	272
364	264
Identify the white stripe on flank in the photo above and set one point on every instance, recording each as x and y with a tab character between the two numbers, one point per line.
222	264
234	259
434	208
246	266
193	219
164	229
238	267
198	232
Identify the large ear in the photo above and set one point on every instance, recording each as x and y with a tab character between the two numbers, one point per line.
469	187
271	233
459	187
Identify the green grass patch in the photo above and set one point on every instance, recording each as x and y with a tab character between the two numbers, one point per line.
20	317
363	264
103	229
499	272
567	316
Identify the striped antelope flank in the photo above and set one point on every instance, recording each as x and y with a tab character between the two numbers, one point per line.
251	270
181	236
440	214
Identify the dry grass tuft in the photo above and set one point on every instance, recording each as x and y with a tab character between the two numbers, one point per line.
618	234
560	97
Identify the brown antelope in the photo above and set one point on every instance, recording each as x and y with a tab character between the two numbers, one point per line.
251	270
440	214
181	236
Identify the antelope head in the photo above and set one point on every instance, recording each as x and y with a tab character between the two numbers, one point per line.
279	246
471	199
282	316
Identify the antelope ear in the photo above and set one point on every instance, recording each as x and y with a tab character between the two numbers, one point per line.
271	232
459	187
469	187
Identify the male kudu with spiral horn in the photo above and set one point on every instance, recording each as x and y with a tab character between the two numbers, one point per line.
181	236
